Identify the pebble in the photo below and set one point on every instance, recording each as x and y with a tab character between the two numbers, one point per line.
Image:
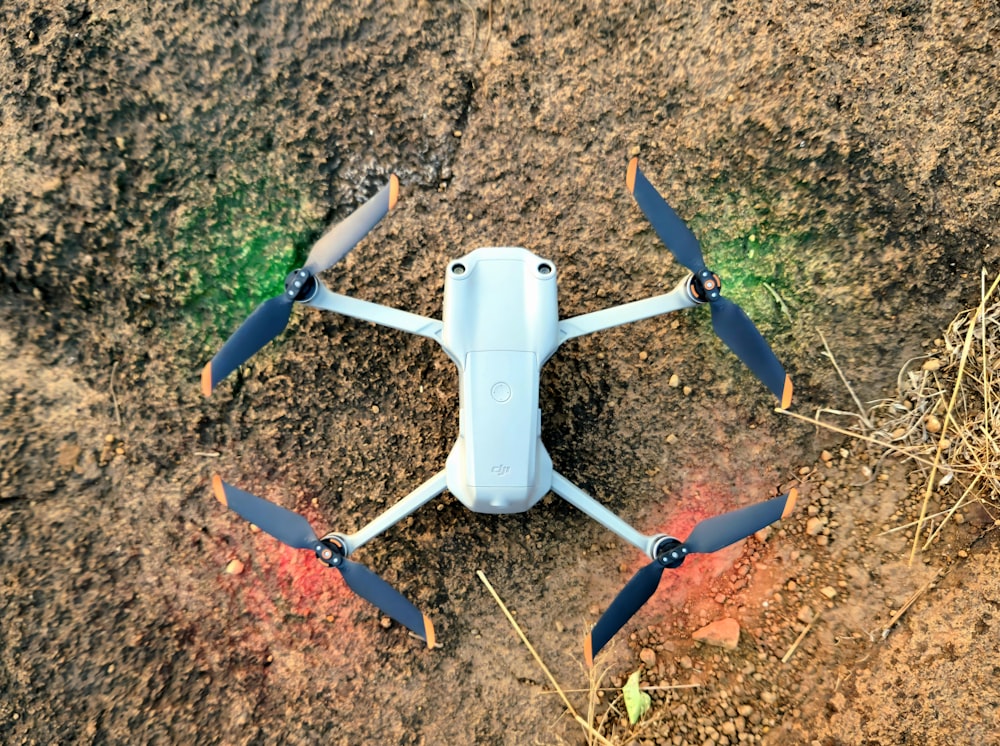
838	702
643	355
814	526
933	424
648	657
805	615
675	381
829	591
932	364
235	567
723	633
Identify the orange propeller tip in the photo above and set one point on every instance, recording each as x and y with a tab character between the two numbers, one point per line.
429	632
393	190
793	495
206	379
786	393
219	490
633	166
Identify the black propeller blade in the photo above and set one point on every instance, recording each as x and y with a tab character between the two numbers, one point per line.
294	530
729	321
710	535
271	317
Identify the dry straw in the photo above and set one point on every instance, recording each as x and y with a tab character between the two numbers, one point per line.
943	418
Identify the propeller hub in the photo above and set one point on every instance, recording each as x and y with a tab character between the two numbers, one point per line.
300	285
670	552
329	553
706	286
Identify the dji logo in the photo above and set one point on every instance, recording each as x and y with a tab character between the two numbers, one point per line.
500	469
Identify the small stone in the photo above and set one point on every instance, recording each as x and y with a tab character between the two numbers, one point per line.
805	615
763	534
814	526
671	439
933	424
235	567
932	364
648	657
675	381
826	456
804	470
829	591
687	390
769	697
374	408
844	453
643	355
386	622
837	702
457	133
685	662
109	438
560	627
723	633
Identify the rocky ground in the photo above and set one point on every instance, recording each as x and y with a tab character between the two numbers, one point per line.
162	167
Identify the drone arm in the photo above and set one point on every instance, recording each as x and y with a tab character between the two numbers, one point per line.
677	299
376	313
584	502
409	504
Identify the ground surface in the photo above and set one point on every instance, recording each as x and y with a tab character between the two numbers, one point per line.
162	167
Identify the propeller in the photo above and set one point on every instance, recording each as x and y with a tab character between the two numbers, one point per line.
710	535
294	530
729	321
271	317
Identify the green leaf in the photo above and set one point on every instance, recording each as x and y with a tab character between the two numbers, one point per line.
637	702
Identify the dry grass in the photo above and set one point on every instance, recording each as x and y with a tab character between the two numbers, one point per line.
944	419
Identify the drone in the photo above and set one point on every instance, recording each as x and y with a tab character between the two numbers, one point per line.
500	324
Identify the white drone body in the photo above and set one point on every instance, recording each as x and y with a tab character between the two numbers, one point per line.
500	324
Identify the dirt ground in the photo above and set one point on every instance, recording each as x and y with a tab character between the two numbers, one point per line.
163	166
